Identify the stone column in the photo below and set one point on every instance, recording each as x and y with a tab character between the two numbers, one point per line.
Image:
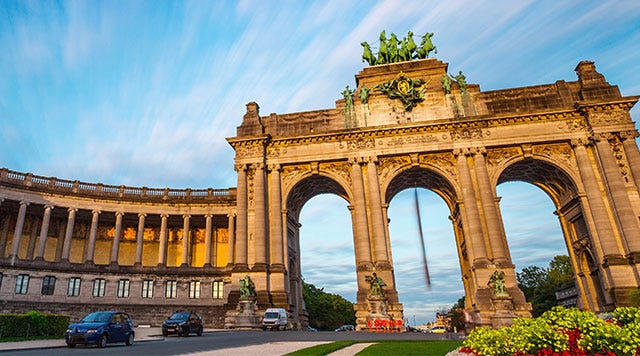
139	239
361	230
60	240
115	246
241	222
377	224
32	239
207	240
620	198
260	243
44	231
93	233
275	218
595	199
185	240
17	232
4	235
232	237
632	153
68	235
162	249
474	228
497	236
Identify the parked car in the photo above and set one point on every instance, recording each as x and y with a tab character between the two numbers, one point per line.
275	319
310	328
101	328
183	323
346	328
438	329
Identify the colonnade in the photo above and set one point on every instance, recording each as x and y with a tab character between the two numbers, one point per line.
36	251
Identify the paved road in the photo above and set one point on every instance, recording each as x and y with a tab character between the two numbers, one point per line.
217	341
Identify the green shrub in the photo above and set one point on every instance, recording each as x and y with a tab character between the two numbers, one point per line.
562	331
32	324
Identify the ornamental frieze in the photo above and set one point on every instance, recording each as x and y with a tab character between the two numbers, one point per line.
574	124
357	144
276	151
401	141
251	173
469	133
444	161
608	117
249	150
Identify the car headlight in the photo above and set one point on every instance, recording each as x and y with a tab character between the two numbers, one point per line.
69	330
92	330
183	323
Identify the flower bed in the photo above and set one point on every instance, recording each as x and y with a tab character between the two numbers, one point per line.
563	332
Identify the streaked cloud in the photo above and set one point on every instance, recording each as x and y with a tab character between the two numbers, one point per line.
129	93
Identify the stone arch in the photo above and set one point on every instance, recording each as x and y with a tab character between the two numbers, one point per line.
306	187
421	177
563	190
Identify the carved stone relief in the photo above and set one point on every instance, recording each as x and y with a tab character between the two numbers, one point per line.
340	169
444	161
388	165
357	144
468	133
621	160
401	141
559	152
497	156
251	172
292	174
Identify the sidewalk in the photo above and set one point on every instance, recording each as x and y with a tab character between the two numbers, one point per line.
142	334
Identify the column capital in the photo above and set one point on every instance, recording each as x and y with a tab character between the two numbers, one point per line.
231	214
580	142
479	151
355	160
457	152
72	210
96	212
602	136
49	207
240	167
24	202
208	216
275	167
186	216
258	165
371	159
629	135
164	215
142	215
119	213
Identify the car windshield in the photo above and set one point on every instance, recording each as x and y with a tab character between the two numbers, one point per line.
179	316
97	317
271	315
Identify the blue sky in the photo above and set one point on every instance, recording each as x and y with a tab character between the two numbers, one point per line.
143	93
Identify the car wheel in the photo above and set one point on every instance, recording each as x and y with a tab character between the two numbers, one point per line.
129	341
71	345
103	341
165	333
200	331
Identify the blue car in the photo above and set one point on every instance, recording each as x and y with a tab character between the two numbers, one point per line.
101	328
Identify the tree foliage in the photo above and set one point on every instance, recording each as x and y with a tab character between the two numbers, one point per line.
327	311
457	315
539	284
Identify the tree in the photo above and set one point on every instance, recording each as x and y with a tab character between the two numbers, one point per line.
327	311
539	284
456	315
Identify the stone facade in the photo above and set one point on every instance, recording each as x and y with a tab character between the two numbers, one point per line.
575	140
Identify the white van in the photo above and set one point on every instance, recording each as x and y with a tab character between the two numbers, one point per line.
275	319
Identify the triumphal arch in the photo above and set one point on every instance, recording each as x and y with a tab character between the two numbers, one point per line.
411	124
73	247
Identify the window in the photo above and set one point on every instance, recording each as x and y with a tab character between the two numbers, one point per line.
48	285
147	288
194	289
123	288
22	284
217	290
171	289
99	285
73	290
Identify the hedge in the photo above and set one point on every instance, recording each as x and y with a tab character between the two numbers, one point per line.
33	323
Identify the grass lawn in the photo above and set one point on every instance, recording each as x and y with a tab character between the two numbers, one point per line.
405	347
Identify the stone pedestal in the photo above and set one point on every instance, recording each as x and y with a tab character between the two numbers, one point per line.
245	316
504	311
